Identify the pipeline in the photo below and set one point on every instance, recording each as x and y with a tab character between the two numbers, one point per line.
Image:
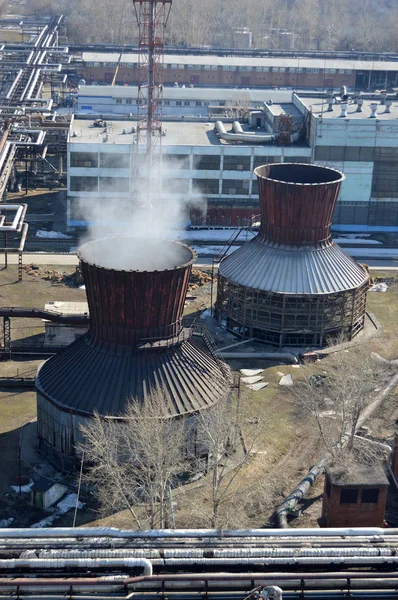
112	532
250	579
239	137
79	563
38	313
300	491
278	356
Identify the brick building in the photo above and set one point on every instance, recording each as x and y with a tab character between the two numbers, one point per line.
355	497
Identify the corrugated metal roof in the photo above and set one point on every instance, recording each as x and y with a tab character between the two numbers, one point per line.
242	61
287	269
93	376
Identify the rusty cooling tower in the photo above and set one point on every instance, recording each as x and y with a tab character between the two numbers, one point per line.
144	302
136	345
292	285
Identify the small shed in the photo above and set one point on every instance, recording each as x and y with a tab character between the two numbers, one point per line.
355	497
45	493
60	335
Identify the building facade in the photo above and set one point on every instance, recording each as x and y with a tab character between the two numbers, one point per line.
213	173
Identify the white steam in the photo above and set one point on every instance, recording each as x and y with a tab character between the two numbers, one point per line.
140	214
135	254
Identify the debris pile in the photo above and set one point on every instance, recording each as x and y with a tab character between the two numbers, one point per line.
198	278
74	279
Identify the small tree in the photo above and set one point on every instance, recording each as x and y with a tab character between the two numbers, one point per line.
336	401
135	460
220	440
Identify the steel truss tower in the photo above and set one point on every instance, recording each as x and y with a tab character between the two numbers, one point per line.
152	17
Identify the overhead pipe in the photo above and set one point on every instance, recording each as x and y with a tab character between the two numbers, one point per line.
81	583
92	532
242	137
80	563
18	219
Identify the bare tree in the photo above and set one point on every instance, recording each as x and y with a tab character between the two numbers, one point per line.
219	438
335	401
136	460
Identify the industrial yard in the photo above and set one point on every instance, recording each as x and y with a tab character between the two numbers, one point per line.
288	445
198	302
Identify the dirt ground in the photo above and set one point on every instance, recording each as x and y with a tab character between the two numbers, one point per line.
286	445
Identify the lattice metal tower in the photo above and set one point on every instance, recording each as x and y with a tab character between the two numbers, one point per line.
152	17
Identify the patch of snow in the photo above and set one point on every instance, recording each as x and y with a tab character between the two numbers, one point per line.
82	287
206	313
356	241
280	374
251	372
67	503
258	386
4	523
44	522
378	287
40	233
23	488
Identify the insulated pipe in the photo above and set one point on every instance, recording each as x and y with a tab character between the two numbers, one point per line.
18	219
92	532
86	563
267	355
237	127
242	137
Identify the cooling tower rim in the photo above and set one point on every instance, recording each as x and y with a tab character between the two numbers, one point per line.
184	265
339	176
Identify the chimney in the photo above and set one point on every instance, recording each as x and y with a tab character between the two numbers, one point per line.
359	104
383	96
388	105
373	108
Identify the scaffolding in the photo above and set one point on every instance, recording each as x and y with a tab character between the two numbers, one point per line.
291	320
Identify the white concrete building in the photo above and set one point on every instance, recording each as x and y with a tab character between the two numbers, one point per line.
215	175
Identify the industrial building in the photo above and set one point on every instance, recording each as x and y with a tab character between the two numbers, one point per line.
292	285
211	70
136	345
211	165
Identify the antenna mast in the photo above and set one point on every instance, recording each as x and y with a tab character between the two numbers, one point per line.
152	17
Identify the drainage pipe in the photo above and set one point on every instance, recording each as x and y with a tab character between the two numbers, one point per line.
242	137
86	563
93	532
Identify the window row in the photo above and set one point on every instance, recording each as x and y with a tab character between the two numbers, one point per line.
181	67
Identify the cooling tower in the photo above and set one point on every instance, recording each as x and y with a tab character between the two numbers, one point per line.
292	285
136	344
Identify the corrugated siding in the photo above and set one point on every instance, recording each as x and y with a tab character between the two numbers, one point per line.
262	264
92	376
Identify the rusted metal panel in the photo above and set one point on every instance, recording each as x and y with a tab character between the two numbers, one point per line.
127	306
297	201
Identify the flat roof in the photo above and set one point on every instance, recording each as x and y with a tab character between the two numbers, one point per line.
188	93
356	474
86	132
299	62
319	107
178	133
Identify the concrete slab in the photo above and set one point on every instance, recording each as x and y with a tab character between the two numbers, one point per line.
258	386
286	380
255	379
251	372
